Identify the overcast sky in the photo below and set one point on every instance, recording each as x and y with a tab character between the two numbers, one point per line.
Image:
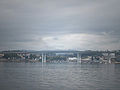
60	24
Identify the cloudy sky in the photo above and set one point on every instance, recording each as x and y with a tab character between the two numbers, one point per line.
60	24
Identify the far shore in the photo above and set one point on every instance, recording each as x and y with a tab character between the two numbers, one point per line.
17	60
29	60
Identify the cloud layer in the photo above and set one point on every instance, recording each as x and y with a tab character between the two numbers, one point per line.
59	24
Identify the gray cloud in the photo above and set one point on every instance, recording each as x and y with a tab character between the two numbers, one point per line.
25	23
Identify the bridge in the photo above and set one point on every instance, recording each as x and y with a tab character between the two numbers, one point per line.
44	57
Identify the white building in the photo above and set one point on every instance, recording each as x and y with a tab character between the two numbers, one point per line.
72	59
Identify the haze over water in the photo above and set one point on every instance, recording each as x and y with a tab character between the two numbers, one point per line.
59	76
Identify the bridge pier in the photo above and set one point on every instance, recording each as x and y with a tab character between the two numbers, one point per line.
79	58
43	57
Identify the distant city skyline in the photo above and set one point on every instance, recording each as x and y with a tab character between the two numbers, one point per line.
59	25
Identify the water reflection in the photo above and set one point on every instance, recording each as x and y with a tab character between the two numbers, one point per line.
53	76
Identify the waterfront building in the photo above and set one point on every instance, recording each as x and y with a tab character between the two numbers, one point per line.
1	55
72	59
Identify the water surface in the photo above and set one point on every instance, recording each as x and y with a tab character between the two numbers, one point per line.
59	76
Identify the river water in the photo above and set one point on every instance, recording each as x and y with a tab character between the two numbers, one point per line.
59	76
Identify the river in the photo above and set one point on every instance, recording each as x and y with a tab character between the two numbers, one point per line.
59	76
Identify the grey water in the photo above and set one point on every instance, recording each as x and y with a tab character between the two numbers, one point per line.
59	76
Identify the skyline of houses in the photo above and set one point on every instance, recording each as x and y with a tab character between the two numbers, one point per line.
69	56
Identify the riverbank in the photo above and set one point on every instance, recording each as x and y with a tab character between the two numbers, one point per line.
17	60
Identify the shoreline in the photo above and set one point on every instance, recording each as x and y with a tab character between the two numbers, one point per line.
35	61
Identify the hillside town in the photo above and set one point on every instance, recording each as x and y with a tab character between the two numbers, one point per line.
61	56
